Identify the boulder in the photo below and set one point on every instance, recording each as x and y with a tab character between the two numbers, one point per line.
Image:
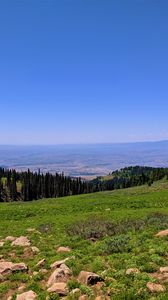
132	271
22	241
58	263
7	267
60	288
155	287
61	274
30	295
41	263
83	297
10	238
163	277
19	267
35	249
1	244
162	233
1	278
163	270
31	230
63	249
89	278
21	288
75	291
43	271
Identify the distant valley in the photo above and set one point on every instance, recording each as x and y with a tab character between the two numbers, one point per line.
86	161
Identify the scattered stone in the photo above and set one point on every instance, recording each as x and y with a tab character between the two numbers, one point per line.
12	255
61	274
9	298
163	277
89	278
99	286
162	233
63	249
10	238
7	267
35	249
19	267
1	256
41	263
75	291
98	298
60	288
155	287
1	278
27	252
163	270
132	271
1	243
22	241
30	295
43	271
83	297
35	273
58	263
21	288
31	230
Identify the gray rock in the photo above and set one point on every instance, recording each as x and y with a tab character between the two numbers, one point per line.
132	271
7	267
21	241
63	249
155	287
35	249
89	278
30	295
61	274
10	238
60	288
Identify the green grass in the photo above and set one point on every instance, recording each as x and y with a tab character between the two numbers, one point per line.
136	214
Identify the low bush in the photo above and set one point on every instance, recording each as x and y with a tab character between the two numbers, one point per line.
117	244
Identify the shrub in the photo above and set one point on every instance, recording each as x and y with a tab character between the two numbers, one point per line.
97	228
92	228
45	228
117	244
157	219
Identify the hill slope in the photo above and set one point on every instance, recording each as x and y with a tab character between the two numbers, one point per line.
108	233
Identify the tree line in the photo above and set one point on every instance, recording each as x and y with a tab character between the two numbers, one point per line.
129	177
28	186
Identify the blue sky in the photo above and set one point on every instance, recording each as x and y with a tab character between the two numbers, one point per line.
83	71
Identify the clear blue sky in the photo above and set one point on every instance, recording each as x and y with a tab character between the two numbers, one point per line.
83	71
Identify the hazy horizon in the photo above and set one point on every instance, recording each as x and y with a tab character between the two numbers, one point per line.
84	160
86	144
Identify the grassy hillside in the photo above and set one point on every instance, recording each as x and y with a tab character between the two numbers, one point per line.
108	233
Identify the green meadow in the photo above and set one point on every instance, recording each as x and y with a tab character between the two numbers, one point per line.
108	233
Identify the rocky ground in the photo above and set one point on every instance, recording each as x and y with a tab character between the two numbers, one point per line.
58	278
